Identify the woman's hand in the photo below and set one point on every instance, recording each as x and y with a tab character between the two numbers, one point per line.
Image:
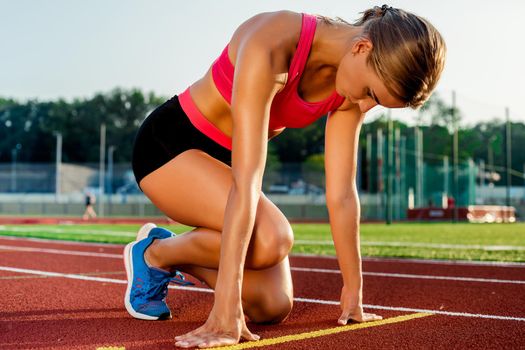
219	330
352	306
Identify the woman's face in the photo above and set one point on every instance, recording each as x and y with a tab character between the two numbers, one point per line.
358	82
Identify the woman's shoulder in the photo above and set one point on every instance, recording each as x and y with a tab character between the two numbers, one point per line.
278	30
272	22
283	16
276	33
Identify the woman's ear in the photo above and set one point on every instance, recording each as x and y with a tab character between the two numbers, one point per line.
362	45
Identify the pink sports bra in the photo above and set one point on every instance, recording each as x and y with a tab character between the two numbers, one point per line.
288	109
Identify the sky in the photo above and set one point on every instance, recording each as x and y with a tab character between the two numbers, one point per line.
73	49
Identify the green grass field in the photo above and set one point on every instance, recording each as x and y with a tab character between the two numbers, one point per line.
487	242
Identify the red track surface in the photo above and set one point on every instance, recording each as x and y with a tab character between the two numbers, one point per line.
60	312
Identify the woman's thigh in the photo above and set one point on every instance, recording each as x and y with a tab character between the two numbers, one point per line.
193	189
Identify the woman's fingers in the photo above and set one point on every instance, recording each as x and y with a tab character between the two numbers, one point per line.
360	317
190	339
208	336
204	340
185	339
371	317
247	335
345	316
189	342
217	341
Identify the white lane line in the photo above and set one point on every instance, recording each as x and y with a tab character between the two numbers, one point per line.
301	269
60	251
60	242
420	261
406	309
303	300
302	255
64	275
412	276
85	274
420	245
448	262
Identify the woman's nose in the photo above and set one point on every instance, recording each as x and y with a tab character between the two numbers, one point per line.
366	104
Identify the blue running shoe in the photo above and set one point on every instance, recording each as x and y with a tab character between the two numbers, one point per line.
147	286
151	229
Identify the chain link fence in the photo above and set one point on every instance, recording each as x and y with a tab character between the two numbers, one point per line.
298	189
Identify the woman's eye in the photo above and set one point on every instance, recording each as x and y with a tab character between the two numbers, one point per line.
369	94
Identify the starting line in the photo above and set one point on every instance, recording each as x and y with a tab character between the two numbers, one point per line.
307	335
323	332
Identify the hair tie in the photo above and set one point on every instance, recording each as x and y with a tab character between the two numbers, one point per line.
384	9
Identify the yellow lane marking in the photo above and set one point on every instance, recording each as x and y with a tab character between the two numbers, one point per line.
323	332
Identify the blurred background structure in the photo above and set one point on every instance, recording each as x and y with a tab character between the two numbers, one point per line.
53	153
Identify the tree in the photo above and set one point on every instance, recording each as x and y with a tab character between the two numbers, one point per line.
34	124
295	145
436	112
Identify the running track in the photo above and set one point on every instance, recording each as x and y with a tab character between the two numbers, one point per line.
64	295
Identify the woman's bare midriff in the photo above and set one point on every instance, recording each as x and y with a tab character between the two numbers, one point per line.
211	103
214	107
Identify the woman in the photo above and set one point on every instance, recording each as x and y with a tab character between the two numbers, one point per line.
89	212
200	159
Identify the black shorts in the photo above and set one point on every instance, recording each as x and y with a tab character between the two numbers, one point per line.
166	133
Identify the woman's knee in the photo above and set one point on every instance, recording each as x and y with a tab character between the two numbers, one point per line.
272	243
281	241
271	309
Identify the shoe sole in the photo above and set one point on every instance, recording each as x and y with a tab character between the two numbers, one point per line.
128	258
144	231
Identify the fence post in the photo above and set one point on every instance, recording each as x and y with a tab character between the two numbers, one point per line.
101	169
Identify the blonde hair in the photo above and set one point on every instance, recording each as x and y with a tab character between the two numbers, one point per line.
408	53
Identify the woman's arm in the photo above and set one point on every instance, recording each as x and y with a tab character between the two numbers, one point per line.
341	146
254	86
258	78
253	90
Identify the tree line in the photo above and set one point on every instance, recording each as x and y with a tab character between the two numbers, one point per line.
28	131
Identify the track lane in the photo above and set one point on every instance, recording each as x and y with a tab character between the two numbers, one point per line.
91	314
471	297
386	265
106	323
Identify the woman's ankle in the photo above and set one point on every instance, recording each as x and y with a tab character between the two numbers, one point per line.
153	259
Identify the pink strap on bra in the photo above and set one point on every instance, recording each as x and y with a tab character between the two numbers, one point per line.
222	71
303	46
201	123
